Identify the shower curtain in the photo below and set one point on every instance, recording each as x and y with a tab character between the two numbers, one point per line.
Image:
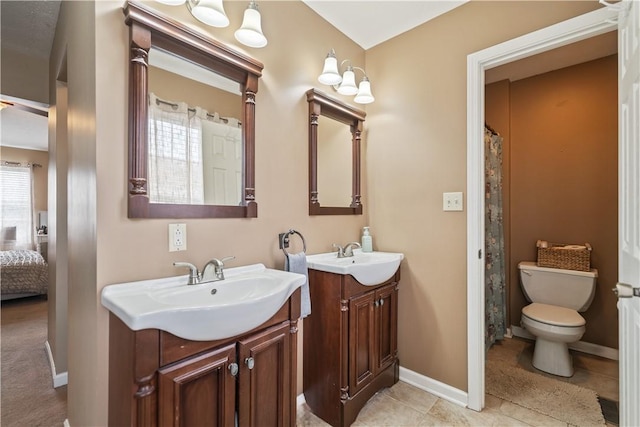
495	292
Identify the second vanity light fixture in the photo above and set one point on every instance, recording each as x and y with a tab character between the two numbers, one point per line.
345	84
211	12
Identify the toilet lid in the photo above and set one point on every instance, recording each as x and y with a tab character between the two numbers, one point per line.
553	315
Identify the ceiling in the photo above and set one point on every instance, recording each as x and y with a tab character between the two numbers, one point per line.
29	27
372	22
26	27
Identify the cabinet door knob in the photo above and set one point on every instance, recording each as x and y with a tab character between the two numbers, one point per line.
233	368
249	362
381	301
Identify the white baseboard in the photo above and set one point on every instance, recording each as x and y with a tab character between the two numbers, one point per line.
300	399
581	346
66	423
434	387
58	379
427	384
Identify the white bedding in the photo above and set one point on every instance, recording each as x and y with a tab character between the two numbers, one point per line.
23	272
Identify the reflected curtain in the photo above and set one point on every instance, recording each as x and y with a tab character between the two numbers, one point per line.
175	153
495	287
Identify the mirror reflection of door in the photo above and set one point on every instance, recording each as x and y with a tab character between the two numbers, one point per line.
335	162
222	163
211	133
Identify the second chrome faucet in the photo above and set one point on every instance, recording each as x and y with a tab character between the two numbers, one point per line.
347	251
211	272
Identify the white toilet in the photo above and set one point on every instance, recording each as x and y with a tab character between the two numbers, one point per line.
556	297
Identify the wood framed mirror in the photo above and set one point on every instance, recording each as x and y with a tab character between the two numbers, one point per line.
152	33
335	130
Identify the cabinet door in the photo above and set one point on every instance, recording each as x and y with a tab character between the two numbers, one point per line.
386	324
264	397
200	390
361	342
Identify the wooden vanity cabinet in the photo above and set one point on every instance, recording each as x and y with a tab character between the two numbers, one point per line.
350	344
158	379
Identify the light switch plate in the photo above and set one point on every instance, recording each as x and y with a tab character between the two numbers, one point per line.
452	201
177	237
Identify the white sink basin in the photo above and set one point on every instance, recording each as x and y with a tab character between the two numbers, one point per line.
247	297
368	268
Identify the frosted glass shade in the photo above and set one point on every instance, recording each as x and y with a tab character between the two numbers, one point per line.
330	75
210	12
364	95
172	2
348	85
250	33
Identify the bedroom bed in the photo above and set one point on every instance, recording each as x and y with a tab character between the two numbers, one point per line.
23	273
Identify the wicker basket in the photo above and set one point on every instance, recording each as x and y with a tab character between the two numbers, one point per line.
555	255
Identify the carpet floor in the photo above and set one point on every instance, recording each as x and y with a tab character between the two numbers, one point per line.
28	397
566	402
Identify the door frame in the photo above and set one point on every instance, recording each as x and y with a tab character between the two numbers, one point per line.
573	30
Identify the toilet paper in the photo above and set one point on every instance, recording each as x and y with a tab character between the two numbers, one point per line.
575	247
542	244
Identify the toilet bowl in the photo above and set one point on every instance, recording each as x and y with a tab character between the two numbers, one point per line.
554	328
556	296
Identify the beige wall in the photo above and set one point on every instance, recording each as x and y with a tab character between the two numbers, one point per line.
24	76
164	84
39	174
58	249
564	178
75	45
416	150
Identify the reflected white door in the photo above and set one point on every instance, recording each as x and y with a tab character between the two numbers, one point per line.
222	160
629	208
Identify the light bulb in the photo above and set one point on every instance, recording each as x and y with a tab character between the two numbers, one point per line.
210	12
364	95
250	33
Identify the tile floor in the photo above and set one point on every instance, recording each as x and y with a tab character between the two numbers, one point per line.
405	405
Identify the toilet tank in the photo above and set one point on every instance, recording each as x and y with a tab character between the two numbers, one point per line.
565	288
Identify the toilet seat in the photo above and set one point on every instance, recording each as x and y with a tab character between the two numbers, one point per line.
553	315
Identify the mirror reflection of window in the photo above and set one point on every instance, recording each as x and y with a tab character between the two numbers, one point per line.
175	153
334	162
195	136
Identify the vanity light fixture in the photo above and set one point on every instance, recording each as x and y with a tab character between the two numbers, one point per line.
250	33
172	2
345	84
211	12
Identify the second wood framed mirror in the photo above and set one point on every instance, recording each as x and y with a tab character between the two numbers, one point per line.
335	131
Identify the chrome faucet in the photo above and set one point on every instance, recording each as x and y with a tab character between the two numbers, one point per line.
347	251
217	265
195	277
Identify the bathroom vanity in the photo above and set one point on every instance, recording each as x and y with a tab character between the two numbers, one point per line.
156	378
350	343
215	353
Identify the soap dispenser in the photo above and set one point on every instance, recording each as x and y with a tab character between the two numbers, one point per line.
367	241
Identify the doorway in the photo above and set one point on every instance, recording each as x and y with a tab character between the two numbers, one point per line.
582	27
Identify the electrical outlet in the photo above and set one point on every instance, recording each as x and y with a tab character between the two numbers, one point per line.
177	237
452	201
